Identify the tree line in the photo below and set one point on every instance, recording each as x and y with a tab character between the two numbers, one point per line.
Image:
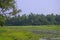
8	9
33	19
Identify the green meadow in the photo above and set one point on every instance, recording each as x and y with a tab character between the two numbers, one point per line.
29	32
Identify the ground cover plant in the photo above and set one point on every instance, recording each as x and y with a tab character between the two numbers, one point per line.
29	32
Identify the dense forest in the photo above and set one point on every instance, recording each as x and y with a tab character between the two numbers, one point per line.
33	19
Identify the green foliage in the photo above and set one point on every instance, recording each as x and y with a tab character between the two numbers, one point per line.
34	19
27	32
2	20
7	7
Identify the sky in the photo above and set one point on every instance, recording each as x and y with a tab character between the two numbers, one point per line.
39	6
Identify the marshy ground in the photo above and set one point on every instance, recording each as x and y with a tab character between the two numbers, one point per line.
29	32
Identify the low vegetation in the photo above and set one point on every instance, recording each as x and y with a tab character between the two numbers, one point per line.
29	32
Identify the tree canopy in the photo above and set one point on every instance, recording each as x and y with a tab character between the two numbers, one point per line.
7	7
33	19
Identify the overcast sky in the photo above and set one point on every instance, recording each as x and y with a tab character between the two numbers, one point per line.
39	6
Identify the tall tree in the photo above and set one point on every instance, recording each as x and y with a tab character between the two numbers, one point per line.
7	7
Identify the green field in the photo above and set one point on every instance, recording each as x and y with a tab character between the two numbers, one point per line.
29	32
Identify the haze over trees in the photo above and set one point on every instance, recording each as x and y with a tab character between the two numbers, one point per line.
8	9
33	19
